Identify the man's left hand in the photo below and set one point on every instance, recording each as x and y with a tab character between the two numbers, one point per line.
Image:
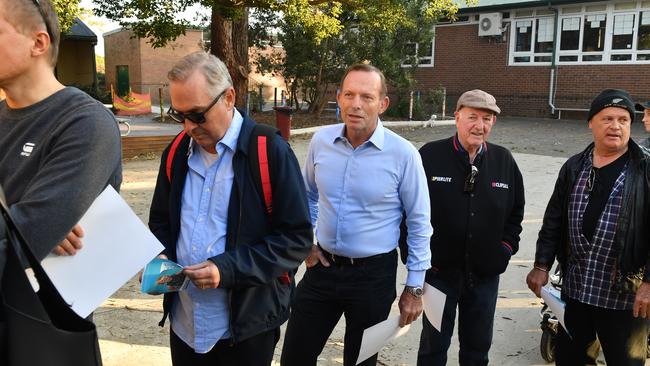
410	307
204	275
642	301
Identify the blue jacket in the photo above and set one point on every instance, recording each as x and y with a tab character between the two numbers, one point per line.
259	248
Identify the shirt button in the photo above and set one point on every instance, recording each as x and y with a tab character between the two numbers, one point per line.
471	194
471	213
469	236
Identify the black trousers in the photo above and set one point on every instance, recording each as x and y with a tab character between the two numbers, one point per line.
254	351
622	336
363	292
476	303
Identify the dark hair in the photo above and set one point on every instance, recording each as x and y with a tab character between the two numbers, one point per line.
28	15
368	68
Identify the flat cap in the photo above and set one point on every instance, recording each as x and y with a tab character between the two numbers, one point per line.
478	99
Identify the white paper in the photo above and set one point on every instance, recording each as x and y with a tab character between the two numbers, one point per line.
116	245
433	302
552	298
379	335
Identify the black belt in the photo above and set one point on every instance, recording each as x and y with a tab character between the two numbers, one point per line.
341	260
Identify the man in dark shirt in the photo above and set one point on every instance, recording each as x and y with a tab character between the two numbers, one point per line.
596	225
59	148
477	200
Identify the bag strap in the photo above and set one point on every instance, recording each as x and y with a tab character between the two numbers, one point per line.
260	149
172	153
23	298
259	152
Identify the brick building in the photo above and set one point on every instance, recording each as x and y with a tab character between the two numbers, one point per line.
145	66
540	58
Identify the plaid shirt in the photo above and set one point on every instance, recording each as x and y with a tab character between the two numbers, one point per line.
591	267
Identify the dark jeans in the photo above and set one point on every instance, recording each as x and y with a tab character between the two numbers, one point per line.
254	351
363	292
622	337
476	305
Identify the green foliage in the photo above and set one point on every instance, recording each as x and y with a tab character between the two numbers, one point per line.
67	10
369	34
99	94
427	103
255	98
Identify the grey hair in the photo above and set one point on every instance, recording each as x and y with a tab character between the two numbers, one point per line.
215	71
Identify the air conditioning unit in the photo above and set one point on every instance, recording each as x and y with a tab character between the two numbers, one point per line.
489	24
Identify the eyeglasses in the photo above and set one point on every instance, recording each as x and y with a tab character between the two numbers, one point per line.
471	178
37	3
591	179
196	117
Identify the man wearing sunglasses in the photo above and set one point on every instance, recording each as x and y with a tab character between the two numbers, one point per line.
477	200
59	148
596	226
210	217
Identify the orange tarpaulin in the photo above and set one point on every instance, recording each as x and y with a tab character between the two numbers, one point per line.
134	104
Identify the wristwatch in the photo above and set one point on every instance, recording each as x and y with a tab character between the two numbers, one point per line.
414	291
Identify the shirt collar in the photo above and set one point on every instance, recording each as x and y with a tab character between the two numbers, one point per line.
229	140
459	147
377	138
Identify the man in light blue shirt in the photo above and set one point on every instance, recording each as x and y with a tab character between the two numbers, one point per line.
361	179
211	219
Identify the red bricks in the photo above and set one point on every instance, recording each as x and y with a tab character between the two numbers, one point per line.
465	61
148	66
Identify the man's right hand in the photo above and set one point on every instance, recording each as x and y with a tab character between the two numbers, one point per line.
72	242
537	279
315	257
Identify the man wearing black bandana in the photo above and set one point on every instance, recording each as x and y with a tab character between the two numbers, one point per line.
596	226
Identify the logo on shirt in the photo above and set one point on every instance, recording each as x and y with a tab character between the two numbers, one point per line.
27	149
441	179
499	185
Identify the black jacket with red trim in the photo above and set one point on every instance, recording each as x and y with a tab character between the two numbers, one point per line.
258	249
474	232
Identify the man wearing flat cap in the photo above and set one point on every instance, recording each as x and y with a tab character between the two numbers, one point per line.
596	226
645	109
477	199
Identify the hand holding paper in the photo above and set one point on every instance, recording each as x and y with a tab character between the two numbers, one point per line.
379	335
434	304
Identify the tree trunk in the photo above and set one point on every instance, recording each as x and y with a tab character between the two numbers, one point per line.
229	42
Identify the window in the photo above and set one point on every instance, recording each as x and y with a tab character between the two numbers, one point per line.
533	39
604	32
570	34
643	40
420	53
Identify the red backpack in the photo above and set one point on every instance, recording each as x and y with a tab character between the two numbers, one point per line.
258	156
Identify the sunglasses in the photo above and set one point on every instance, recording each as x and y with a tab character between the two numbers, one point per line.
196	117
37	3
471	179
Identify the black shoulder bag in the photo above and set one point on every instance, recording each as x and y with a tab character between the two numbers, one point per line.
41	329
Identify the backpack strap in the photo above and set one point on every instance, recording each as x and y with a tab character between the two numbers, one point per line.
171	154
259	151
259	154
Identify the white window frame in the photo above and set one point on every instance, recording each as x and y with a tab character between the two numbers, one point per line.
531	52
425	58
607	52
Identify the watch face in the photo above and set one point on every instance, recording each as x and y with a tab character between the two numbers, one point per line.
418	291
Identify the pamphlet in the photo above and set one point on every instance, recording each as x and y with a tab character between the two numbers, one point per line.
162	275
